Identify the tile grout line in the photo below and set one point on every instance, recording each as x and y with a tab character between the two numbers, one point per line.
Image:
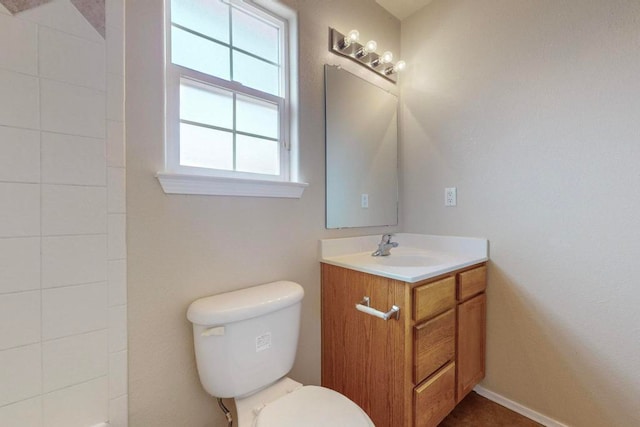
98	138
43	341
50	79
52	236
108	189
41	238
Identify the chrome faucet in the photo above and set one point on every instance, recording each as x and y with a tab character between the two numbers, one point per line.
385	245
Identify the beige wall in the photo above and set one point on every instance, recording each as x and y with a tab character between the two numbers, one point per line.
185	247
532	109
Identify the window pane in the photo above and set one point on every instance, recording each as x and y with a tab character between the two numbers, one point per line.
199	54
257	117
210	18
255	73
204	104
205	148
257	155
255	36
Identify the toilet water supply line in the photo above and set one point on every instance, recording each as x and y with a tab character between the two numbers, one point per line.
227	412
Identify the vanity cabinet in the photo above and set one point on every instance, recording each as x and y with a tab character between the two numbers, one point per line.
472	324
410	371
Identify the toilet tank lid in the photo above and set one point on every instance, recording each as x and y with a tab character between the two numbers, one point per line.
244	304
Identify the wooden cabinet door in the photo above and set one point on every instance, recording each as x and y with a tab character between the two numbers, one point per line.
363	357
470	364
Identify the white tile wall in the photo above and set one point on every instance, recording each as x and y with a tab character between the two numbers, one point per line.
118	411
116	190
22	309
20	376
18	45
115	97
117	328
72	109
115	13
69	159
117	272
75	359
74	310
73	260
117	374
19	264
115	50
19	209
63	295
68	58
20	95
117	251
117	236
69	209
115	144
26	413
20	148
82	405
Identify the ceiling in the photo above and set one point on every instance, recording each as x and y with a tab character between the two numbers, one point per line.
402	8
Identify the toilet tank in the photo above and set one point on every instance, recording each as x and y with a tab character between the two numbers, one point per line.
245	340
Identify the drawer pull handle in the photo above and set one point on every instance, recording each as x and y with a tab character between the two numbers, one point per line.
365	307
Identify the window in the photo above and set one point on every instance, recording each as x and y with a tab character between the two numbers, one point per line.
229	96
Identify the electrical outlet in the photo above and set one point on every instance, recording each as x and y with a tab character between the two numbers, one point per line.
364	201
450	196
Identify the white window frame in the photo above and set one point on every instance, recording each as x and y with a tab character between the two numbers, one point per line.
180	179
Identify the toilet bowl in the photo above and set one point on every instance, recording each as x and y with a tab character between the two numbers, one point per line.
245	344
290	404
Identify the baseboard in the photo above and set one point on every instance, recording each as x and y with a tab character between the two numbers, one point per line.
516	407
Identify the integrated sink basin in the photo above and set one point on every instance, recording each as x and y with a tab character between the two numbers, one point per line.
408	260
418	256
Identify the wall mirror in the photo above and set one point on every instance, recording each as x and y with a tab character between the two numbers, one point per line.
361	152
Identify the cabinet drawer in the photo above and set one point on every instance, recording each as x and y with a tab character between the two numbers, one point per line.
435	398
472	282
434	298
434	345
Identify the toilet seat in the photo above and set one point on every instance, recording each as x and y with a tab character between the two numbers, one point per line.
312	406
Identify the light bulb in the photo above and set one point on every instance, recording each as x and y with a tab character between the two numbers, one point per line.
352	37
371	46
385	58
400	65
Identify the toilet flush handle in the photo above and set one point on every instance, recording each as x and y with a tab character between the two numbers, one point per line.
215	331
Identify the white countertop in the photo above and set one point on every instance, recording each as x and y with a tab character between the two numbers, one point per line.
418	256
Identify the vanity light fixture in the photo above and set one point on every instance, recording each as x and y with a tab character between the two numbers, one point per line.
347	45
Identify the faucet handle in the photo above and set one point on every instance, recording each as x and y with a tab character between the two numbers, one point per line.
386	238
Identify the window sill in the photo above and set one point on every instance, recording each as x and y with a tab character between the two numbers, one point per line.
173	183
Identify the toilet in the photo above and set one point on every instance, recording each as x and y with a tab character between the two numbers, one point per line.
245	345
